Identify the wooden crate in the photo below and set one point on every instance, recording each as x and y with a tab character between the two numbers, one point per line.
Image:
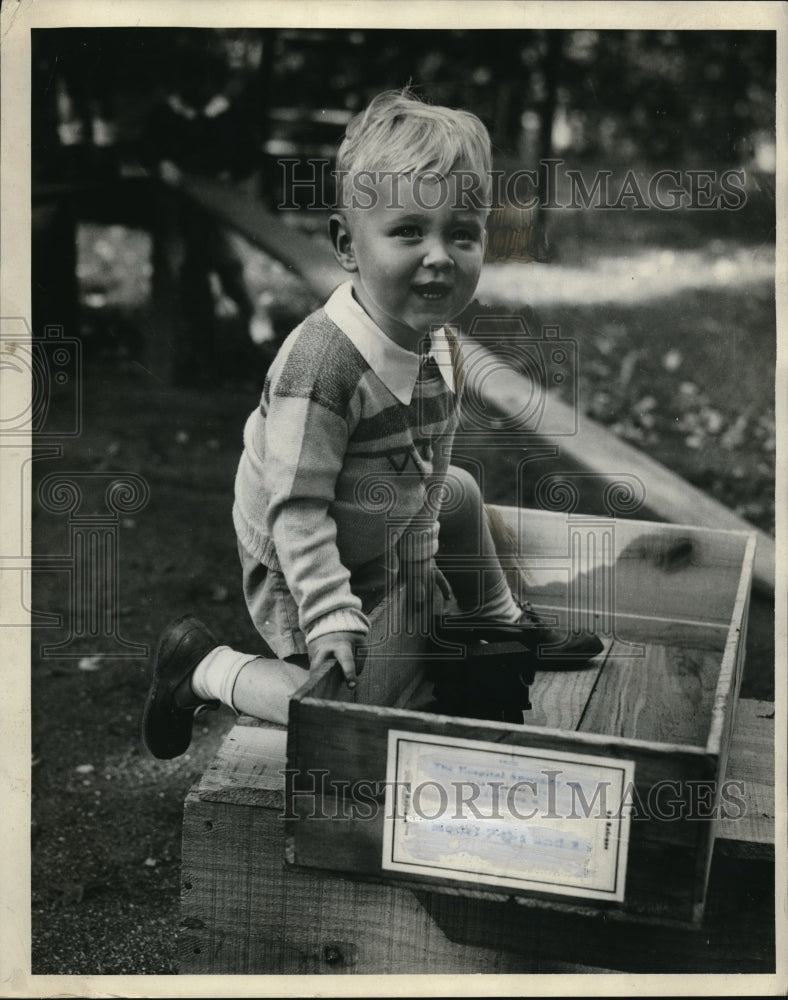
244	911
618	770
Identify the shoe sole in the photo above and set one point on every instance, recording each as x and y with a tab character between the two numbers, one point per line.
520	632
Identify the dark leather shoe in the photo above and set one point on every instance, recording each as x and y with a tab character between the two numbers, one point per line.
552	647
170	706
552	650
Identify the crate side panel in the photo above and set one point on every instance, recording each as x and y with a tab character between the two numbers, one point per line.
351	747
651	570
553	603
745	827
733	661
244	912
542	532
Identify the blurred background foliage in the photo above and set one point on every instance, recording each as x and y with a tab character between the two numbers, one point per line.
673	310
661	97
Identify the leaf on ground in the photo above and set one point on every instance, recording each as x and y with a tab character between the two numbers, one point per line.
70	893
628	367
90	663
671	360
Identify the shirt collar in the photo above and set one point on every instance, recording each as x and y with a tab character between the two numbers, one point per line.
397	368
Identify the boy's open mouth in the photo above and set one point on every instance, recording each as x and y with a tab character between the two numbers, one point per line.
433	291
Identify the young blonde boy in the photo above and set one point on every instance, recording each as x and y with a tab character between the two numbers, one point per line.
342	485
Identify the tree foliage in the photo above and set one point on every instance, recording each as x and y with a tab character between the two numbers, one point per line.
658	96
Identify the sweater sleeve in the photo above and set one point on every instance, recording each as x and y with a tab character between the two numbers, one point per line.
305	445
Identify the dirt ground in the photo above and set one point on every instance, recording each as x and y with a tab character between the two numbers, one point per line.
106	820
106	816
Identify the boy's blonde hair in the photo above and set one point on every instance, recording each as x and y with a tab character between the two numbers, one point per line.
398	133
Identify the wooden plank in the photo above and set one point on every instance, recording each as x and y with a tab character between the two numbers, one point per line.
728	684
253	757
242	912
559	697
732	661
349	735
641	629
309	258
748	831
592	448
251	761
249	767
536	532
737	934
670	694
665	695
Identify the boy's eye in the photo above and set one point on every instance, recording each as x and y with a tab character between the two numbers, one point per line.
407	232
465	235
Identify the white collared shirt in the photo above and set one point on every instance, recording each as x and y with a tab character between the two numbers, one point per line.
396	367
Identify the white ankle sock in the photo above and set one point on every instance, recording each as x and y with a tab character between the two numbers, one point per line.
500	606
215	675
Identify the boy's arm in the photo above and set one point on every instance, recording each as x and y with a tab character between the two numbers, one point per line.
305	444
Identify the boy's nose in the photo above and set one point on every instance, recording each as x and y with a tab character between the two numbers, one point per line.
437	255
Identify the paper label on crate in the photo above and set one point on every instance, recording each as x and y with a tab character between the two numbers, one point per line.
545	821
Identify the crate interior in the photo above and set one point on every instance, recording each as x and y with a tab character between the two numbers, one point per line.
663	693
662	598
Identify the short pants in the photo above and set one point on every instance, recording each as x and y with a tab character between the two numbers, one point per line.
274	611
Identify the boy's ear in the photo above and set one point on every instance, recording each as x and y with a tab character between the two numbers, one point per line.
342	242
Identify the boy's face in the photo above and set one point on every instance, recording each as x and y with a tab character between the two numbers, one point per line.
415	254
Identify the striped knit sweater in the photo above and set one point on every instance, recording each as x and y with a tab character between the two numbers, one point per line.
340	459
